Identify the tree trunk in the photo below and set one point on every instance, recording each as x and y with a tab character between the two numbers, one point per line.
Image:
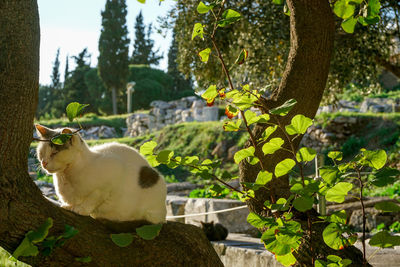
22	206
114	100
389	66
312	36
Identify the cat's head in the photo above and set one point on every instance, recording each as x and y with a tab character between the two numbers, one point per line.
55	158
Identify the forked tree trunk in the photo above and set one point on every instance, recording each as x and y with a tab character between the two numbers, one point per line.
311	46
22	206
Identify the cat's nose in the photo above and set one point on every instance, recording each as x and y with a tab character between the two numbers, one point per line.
44	163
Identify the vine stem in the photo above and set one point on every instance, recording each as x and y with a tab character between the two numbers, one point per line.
227	74
363	215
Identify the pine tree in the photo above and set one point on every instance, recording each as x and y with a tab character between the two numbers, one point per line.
143	46
180	82
113	60
75	88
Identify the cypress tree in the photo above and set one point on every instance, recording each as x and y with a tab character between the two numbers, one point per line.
143	46
66	72
113	60
55	75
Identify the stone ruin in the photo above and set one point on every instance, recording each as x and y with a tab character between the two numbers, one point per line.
163	113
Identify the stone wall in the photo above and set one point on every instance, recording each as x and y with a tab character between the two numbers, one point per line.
163	113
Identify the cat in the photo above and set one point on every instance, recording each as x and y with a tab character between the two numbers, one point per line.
110	181
214	232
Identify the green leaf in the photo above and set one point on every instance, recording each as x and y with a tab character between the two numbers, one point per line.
305	154
338	192
69	232
203	8
385	177
349	24
338	217
387	206
244	153
277	2
228	17
267	133
147	148
286	260
335	155
122	240
303	203
142	1
258	221
41	232
333	236
299	125
74	109
376	159
210	94
152	159
330	174
384	240
284	167
205	54
272	145
165	156
232	126
25	249
244	101
242	57
60	139
149	232
263	178
198	30
344	9
284	108
373	8
88	258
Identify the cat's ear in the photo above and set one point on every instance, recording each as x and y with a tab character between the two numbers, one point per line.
41	130
66	131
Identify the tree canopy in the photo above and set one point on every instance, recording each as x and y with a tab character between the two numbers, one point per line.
260	32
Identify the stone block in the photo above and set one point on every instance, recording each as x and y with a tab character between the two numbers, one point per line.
175	207
235	221
210	113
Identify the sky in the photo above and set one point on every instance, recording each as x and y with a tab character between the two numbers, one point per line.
72	25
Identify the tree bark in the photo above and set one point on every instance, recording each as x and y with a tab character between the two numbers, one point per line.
22	206
389	66
312	36
114	100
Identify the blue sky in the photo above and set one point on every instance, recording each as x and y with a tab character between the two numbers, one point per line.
72	25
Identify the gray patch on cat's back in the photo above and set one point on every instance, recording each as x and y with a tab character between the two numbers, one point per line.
148	177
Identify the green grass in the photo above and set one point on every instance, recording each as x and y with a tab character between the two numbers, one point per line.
5	262
89	120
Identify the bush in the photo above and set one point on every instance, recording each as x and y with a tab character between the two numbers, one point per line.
152	84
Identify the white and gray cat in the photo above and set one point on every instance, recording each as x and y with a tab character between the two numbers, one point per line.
110	181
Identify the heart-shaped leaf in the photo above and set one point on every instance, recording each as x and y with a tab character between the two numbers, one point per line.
149	232
122	240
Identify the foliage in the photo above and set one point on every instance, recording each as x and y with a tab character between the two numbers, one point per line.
37	241
114	48
267	41
152	84
213	191
143	45
282	233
